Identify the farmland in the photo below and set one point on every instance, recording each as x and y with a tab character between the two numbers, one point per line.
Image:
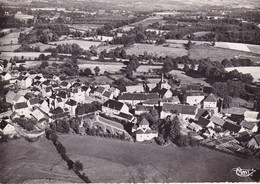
83	44
254	71
174	50
107	160
24	161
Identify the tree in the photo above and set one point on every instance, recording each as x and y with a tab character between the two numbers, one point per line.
87	72
78	166
101	57
161	40
44	64
97	70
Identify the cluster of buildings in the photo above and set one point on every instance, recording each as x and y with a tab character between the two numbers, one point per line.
46	99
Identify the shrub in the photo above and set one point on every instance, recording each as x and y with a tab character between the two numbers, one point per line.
78	166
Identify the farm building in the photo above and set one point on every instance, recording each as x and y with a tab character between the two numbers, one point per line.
114	107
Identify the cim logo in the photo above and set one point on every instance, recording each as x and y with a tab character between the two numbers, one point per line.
244	172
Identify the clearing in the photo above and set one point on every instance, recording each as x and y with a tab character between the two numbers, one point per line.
109	160
24	161
253	70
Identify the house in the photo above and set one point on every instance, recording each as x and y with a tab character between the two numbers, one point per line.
144	132
135	98
252	116
135	89
164	93
185	111
6	128
14	115
58	102
151	86
201	113
151	103
33	102
9	97
107	95
6	76
64	95
86	90
140	109
205	123
114	107
209	133
44	106
126	117
26	82
71	105
65	85
217	120
39	115
233	128
195	127
172	100
45	84
21	109
193	98
210	102
254	142
46	92
115	91
99	91
77	95
249	126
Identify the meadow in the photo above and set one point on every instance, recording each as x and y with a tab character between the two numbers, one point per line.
26	55
83	44
174	50
23	161
109	160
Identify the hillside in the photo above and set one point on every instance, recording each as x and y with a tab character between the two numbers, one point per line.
22	161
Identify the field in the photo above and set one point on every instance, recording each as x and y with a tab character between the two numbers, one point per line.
9	48
173	50
10	38
83	44
24	161
188	80
41	46
104	66
149	21
108	160
107	47
26	55
253	70
217	54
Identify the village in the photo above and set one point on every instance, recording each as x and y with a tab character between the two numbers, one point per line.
38	102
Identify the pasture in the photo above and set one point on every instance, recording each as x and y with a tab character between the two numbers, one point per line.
188	80
109	160
23	161
11	38
150	20
104	66
174	50
83	44
9	48
253	70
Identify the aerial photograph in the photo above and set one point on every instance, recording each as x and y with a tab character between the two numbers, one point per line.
129	91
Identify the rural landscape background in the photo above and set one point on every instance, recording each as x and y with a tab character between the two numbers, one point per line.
131	91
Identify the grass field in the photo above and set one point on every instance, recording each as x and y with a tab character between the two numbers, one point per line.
9	48
83	44
150	20
253	70
173	50
108	160
188	80
26	55
104	66
24	161
214	53
10	38
107	47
